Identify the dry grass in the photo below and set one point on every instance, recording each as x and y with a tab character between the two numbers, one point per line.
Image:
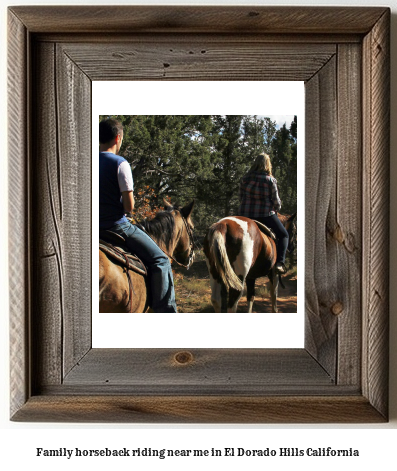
192	287
262	292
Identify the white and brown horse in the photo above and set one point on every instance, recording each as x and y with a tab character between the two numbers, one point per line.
238	250
123	290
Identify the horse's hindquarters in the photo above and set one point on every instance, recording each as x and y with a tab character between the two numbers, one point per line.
114	288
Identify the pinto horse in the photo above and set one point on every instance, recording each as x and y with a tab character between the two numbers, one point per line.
124	290
238	250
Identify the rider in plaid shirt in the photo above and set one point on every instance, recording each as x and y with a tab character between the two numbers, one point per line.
259	200
259	195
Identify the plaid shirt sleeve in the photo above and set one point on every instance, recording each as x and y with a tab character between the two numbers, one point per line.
275	197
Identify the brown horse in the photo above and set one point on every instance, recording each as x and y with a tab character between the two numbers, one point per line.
238	250
172	230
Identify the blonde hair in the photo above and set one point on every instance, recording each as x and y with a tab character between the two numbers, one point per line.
262	164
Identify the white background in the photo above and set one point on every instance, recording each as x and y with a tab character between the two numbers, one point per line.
282	330
376	443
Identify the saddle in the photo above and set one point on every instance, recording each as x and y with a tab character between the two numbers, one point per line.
113	245
265	229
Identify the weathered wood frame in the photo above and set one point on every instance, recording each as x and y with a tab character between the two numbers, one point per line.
342	54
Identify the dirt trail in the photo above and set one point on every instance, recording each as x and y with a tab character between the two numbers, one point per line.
286	300
198	299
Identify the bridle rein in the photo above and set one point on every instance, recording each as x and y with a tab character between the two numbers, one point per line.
191	247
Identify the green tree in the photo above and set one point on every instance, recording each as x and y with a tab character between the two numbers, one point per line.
284	162
204	158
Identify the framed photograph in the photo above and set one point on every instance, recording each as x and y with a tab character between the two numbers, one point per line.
266	116
340	375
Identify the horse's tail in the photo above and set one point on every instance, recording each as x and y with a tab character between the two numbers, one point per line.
221	261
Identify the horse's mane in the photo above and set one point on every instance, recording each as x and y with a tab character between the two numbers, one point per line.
284	217
161	227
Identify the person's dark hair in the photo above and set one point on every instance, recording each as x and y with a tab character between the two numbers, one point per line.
109	129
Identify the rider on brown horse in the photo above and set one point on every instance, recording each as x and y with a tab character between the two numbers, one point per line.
116	199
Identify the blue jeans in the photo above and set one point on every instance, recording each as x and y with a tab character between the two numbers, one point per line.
161	283
274	223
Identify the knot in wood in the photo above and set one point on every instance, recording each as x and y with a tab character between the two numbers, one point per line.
350	243
338	235
337	308
183	358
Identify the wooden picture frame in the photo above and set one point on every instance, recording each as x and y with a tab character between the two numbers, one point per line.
342	54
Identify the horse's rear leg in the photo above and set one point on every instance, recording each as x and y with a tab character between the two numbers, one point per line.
273	277
224	298
234	298
250	293
216	294
221	299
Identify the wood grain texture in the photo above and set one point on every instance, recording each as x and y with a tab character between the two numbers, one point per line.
48	252
345	224
321	280
204	60
18	181
62	255
341	376
198	19
376	90
73	108
230	370
187	38
199	409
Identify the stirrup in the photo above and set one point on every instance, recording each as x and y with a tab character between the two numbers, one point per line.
281	268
